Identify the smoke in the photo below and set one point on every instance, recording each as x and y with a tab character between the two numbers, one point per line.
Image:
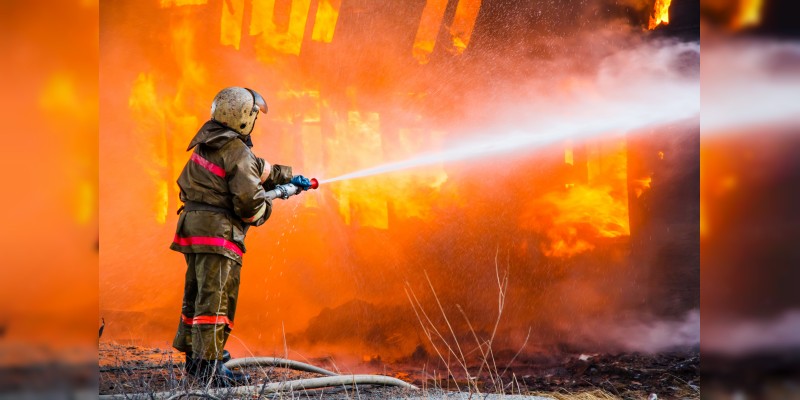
766	70
647	334
738	336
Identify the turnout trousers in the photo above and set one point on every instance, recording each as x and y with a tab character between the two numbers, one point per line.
209	305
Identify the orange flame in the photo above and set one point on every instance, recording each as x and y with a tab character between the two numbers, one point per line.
460	29
163	124
641	185
181	3
61	98
463	23
574	218
660	14
579	216
428	30
749	14
325	23
271	38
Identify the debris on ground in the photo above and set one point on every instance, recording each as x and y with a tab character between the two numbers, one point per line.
127	369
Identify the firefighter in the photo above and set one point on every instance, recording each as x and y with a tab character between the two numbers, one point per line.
222	187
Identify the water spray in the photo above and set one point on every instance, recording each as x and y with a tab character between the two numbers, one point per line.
596	118
289	189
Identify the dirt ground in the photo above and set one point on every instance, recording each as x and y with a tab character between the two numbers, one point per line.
127	369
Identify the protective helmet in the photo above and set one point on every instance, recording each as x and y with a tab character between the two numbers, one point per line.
237	108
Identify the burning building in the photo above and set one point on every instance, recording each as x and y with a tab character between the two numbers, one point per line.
586	226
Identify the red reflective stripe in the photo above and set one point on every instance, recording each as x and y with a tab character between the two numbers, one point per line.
213	168
212	320
207	241
207	320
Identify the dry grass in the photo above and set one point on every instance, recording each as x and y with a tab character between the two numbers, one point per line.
590	395
687	394
491	378
447	347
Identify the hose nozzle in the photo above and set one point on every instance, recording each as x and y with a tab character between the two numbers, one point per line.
289	189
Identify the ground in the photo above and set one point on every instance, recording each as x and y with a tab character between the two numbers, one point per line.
126	369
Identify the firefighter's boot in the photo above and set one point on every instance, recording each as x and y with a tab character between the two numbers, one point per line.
219	375
191	364
226	356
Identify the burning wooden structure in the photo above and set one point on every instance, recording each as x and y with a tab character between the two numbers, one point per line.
588	229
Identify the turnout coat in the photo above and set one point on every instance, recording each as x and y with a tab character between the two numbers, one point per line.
222	193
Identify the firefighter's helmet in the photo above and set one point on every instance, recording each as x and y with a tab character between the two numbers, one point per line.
237	108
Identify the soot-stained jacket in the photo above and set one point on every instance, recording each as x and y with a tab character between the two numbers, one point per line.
221	186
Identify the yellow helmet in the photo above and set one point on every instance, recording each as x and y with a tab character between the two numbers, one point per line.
237	108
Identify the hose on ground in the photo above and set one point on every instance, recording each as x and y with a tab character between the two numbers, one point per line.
276	362
275	387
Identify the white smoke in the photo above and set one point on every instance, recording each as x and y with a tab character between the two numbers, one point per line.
744	336
647	334
750	84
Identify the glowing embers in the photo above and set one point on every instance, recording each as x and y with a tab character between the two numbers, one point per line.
660	14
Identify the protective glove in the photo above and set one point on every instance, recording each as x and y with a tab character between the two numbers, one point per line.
301	181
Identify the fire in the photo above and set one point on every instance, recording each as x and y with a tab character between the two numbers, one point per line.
163	124
364	203
231	24
573	219
569	155
660	14
369	202
748	14
144	104
463	23
428	29
180	3
335	109
272	39
641	185
460	28
325	23
62	99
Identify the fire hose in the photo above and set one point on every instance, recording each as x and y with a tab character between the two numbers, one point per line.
277	362
332	380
